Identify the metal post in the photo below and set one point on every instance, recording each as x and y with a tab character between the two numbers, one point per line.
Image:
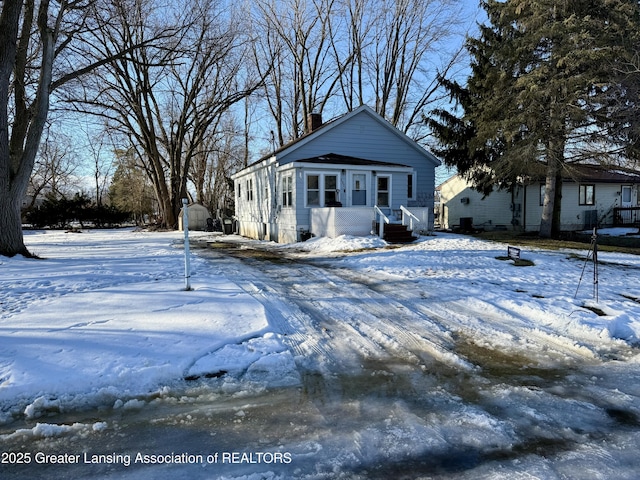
185	227
594	240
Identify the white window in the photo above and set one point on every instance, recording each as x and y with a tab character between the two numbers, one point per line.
383	191
331	192
313	190
287	191
587	195
250	189
322	189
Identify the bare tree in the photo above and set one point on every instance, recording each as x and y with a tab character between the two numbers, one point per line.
337	54
42	49
130	189
166	98
404	59
26	82
100	165
350	33
54	168
295	34
225	154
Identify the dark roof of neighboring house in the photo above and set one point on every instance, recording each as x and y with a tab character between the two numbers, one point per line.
601	174
584	173
336	159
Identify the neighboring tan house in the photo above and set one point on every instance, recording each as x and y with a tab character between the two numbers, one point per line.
330	181
591	197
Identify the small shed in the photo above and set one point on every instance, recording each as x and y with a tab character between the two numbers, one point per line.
198	215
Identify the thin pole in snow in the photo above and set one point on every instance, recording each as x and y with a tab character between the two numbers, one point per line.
595	264
593	255
185	227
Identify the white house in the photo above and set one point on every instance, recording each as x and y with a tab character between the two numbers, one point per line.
330	181
591	196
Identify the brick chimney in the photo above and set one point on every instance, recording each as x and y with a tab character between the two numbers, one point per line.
314	121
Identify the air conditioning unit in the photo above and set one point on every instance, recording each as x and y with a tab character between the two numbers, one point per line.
590	218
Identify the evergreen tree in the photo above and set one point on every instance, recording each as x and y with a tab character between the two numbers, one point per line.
540	94
130	191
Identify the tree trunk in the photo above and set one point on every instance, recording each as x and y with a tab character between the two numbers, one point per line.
551	210
557	204
11	238
546	223
16	163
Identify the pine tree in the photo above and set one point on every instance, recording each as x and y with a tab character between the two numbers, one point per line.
539	94
130	190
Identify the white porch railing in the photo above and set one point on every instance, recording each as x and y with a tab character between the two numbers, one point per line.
407	214
335	221
380	217
420	218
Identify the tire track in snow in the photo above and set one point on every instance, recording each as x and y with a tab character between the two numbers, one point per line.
381	315
339	320
473	316
302	332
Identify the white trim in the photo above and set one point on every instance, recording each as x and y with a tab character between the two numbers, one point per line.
376	191
321	174
339	167
283	190
255	167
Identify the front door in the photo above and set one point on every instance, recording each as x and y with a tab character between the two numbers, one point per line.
626	196
358	189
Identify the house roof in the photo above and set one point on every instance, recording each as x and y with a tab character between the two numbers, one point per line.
338	121
584	173
600	174
336	159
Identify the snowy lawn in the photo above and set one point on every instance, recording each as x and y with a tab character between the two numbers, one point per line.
104	317
560	291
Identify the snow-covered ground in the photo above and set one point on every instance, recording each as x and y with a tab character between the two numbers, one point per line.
104	316
104	321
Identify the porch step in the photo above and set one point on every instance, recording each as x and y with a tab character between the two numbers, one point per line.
398	233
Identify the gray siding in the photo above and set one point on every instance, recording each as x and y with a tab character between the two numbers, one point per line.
459	200
365	137
362	134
